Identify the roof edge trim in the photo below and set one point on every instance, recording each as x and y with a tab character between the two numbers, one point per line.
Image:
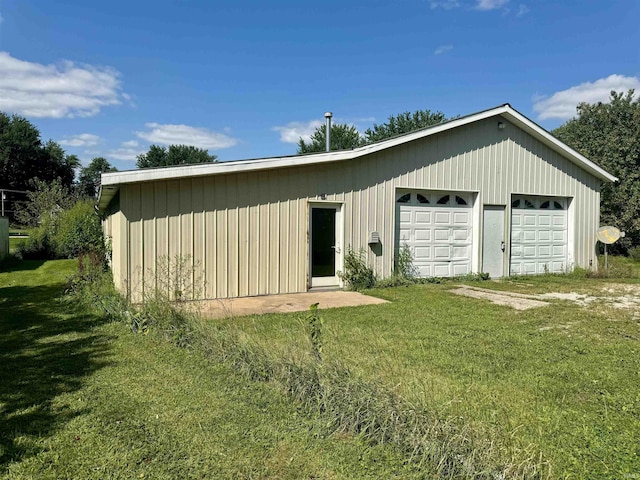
114	179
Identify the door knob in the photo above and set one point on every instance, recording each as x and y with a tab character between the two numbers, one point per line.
502	246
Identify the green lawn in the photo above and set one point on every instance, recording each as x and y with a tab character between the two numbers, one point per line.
15	242
84	398
560	383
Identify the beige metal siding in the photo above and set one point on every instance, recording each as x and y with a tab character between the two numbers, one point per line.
113	227
247	233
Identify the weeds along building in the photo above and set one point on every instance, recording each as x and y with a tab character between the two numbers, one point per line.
490	192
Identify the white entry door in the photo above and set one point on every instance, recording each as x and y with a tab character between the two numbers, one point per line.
325	250
539	233
493	241
437	227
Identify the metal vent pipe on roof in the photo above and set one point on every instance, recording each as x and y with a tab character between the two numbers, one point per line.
327	117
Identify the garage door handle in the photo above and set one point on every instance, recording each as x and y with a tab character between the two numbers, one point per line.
502	246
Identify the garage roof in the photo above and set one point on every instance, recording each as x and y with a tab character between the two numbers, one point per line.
111	181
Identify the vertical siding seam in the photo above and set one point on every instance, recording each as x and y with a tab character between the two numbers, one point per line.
192	214
204	242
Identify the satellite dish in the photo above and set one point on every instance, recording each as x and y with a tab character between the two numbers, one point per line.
608	235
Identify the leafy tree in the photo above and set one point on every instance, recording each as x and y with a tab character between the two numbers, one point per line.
57	164
79	231
44	203
66	231
609	135
155	157
42	212
174	155
23	157
343	137
89	178
403	123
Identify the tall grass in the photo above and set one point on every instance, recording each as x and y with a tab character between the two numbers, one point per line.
347	403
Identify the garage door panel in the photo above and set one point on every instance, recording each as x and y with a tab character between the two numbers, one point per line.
421	254
460	253
461	217
461	234
422	217
538	237
544	220
424	270
442	218
439	236
422	234
557	267
559	236
441	270
441	253
544	235
560	220
461	268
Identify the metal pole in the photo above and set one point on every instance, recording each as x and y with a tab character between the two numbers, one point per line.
606	258
327	136
2	195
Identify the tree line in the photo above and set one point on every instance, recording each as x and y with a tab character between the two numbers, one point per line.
606	133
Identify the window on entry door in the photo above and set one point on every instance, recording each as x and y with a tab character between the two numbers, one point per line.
323	242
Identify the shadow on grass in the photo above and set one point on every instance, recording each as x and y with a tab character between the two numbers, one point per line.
14	264
45	351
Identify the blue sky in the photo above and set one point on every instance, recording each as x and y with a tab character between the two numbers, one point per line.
245	79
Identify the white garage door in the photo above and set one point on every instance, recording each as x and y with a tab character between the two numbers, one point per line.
437	229
538	235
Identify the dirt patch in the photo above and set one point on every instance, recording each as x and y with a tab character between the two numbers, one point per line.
296	302
625	301
508	299
615	295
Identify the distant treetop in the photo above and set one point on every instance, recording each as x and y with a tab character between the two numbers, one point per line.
344	136
403	123
174	155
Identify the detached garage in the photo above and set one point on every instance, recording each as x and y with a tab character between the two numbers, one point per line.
490	192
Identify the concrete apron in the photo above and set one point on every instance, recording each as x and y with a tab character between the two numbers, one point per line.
293	302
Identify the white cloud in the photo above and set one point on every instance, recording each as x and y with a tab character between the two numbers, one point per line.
82	140
446	4
562	105
490	4
293	131
443	49
168	134
130	143
482	5
56	91
125	153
